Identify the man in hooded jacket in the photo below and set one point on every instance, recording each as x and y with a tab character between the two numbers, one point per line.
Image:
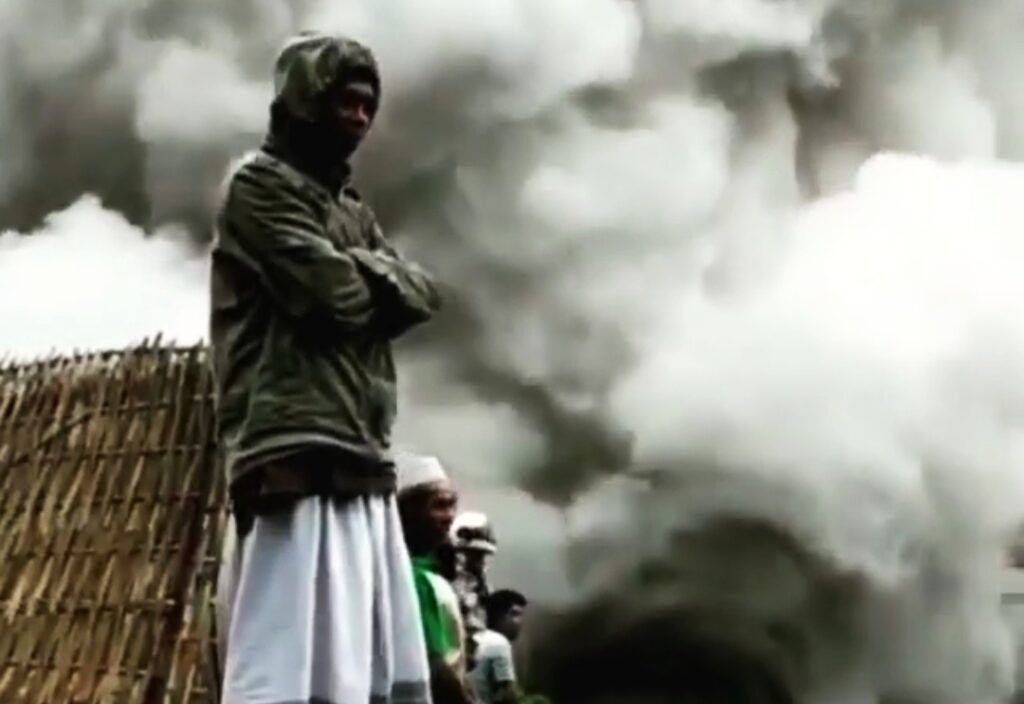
307	296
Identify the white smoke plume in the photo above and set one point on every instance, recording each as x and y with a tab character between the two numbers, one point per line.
673	260
87	280
867	400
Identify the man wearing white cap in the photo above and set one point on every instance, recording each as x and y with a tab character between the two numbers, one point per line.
474	542
427	502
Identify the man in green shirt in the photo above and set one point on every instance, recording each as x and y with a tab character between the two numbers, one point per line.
427	502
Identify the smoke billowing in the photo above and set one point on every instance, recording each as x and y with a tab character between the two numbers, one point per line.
686	302
87	280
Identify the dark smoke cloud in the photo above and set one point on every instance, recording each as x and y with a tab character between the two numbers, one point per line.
765	626
92	91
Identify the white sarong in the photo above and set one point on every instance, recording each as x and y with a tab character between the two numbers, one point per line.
318	607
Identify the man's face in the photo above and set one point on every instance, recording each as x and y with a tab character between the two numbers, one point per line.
352	107
512	624
476	560
440	507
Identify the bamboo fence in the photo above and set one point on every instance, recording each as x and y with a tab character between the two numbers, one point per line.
112	509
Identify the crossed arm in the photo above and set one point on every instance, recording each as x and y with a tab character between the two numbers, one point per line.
371	290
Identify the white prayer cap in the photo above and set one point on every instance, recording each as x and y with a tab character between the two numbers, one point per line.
471	530
418	470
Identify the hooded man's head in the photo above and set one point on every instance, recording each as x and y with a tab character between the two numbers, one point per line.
326	94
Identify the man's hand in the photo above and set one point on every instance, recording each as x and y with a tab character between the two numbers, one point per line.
507	693
404	295
446	687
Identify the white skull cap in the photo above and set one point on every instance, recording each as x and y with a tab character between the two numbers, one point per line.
472	530
418	470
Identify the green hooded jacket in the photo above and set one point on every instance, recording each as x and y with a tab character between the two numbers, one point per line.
306	294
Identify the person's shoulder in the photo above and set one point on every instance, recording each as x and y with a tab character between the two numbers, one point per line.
443	590
259	171
491	643
261	183
353	198
351	192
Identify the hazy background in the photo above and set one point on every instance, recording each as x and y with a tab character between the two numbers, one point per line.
764	254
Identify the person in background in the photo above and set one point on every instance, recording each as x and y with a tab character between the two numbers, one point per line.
473	541
494	676
427	501
307	296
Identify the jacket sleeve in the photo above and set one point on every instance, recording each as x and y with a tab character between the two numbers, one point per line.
277	230
406	294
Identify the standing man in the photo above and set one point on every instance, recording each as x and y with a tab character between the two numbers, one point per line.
474	543
307	296
427	502
494	675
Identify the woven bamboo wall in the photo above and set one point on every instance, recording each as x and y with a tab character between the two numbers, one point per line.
111	512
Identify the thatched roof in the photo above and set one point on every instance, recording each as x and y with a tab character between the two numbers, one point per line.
111	512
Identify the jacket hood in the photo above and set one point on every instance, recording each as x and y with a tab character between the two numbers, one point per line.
311	63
